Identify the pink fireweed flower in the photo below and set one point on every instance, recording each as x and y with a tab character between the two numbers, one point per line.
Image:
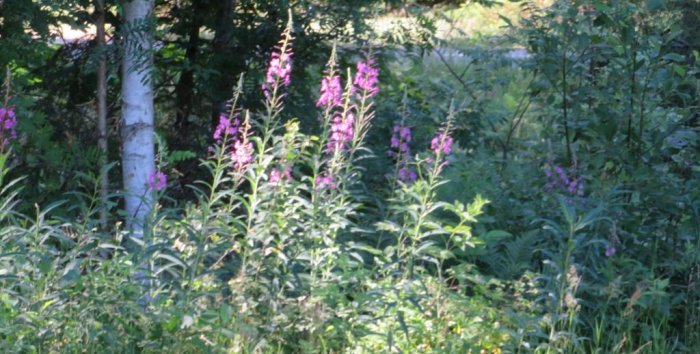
242	154
157	180
331	92
236	143
441	143
342	131
405	133
441	146
278	176
610	251
566	183
325	181
8	121
367	78
400	151
400	138
279	69
227	128
407	174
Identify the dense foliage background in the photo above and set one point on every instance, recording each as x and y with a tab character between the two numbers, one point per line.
524	180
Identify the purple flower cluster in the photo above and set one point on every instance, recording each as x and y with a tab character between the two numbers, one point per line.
400	138
242	154
441	143
407	174
342	131
367	78
325	181
227	128
279	69
277	176
559	180
331	92
230	132
8	120
610	251
343	125
157	180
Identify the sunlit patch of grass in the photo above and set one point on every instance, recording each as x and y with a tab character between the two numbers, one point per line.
474	23
463	26
474	19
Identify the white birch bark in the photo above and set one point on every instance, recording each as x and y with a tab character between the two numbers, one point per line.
137	112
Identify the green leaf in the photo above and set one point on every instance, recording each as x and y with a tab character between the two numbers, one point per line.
460	230
496	235
402	322
674	57
225	312
506	20
69	278
45	264
180	155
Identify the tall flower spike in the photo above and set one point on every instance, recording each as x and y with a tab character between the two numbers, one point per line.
342	131
7	114
367	77
564	182
227	128
280	67
441	143
343	124
400	138
242	150
8	120
331	88
400	151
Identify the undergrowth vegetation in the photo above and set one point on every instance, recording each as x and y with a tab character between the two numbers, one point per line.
479	200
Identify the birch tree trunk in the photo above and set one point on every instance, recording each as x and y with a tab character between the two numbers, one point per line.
137	112
102	113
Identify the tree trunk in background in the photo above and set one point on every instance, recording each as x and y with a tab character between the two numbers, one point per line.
184	90
137	112
225	59
102	113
